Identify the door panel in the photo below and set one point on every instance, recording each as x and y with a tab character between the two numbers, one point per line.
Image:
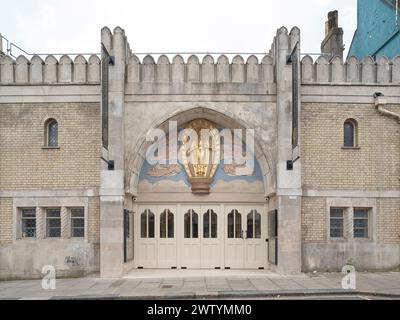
245	244
201	236
234	243
211	237
255	245
166	229
146	240
191	242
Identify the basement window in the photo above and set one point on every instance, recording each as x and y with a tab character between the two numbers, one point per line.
361	223
28	223
77	222
53	223
337	223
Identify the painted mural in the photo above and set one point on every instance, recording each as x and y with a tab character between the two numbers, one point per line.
173	178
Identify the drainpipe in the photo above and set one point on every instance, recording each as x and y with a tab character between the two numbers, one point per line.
380	102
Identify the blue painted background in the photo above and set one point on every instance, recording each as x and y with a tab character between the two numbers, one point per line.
219	175
376	28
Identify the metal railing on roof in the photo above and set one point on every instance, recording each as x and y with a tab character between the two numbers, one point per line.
11	47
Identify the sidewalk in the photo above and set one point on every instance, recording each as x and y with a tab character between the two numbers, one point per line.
156	284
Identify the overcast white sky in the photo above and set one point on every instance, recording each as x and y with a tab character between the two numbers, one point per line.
169	25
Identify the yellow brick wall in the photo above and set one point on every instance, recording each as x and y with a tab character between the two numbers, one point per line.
6	220
326	166
388	220
94	220
313	219
315	224
25	165
373	167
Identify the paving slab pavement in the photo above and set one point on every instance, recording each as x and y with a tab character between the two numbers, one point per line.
186	285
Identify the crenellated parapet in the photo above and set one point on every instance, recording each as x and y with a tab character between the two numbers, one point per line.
196	70
335	71
50	70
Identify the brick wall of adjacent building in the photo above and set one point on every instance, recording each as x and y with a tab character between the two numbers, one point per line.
26	165
375	166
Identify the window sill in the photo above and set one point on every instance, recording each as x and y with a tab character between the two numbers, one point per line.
350	240
51	239
27	239
363	239
338	240
51	148
351	148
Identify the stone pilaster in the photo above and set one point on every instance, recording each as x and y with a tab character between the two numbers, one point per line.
288	182
112	182
40	223
349	223
65	223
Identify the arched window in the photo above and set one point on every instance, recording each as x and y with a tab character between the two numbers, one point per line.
167	225
350	133
254	225
147	222
234	225
210	225
51	133
191	225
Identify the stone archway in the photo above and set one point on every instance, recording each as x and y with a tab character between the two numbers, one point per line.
135	157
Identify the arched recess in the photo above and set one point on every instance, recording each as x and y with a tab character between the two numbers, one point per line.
135	157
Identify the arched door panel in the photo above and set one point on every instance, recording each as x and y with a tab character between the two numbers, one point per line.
234	246
255	245
145	244
167	237
212	242
190	254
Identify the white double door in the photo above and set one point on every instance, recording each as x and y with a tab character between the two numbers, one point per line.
155	237
200	246
200	237
245	237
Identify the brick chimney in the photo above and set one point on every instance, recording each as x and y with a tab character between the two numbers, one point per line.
333	43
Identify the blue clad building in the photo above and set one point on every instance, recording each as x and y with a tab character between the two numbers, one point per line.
378	29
